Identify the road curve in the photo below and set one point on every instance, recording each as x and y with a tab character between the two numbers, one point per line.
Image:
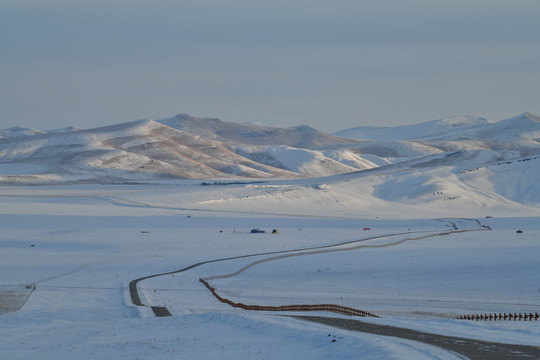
134	293
161	311
472	349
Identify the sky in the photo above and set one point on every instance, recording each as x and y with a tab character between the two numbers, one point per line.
332	65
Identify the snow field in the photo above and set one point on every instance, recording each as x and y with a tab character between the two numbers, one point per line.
91	241
432	280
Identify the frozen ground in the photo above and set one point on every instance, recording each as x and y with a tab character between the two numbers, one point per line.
89	242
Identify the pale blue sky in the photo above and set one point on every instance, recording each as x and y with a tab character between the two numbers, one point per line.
328	64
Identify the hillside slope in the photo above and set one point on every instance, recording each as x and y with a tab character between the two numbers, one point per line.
391	172
524	126
436	187
215	129
140	150
447	128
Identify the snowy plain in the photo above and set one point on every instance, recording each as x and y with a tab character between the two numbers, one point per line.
81	245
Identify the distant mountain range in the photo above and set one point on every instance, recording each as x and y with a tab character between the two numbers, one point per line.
186	147
522	127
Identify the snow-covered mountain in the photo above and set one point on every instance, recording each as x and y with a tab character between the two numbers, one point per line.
524	126
462	159
523	129
459	184
19	131
215	129
139	150
446	128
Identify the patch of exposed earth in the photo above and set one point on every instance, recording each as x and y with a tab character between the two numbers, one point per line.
13	299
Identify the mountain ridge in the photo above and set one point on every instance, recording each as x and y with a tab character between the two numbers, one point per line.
452	128
213	128
187	147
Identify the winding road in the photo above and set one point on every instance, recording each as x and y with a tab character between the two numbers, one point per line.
161	311
470	348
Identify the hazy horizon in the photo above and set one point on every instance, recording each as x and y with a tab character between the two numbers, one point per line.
331	66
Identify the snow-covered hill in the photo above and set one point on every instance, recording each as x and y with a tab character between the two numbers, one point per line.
215	129
19	131
134	151
452	163
523	129
468	184
524	126
432	129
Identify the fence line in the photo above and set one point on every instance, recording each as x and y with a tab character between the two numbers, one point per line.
321	307
331	307
500	317
318	307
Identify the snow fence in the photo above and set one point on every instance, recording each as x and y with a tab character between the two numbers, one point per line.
500	317
316	307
